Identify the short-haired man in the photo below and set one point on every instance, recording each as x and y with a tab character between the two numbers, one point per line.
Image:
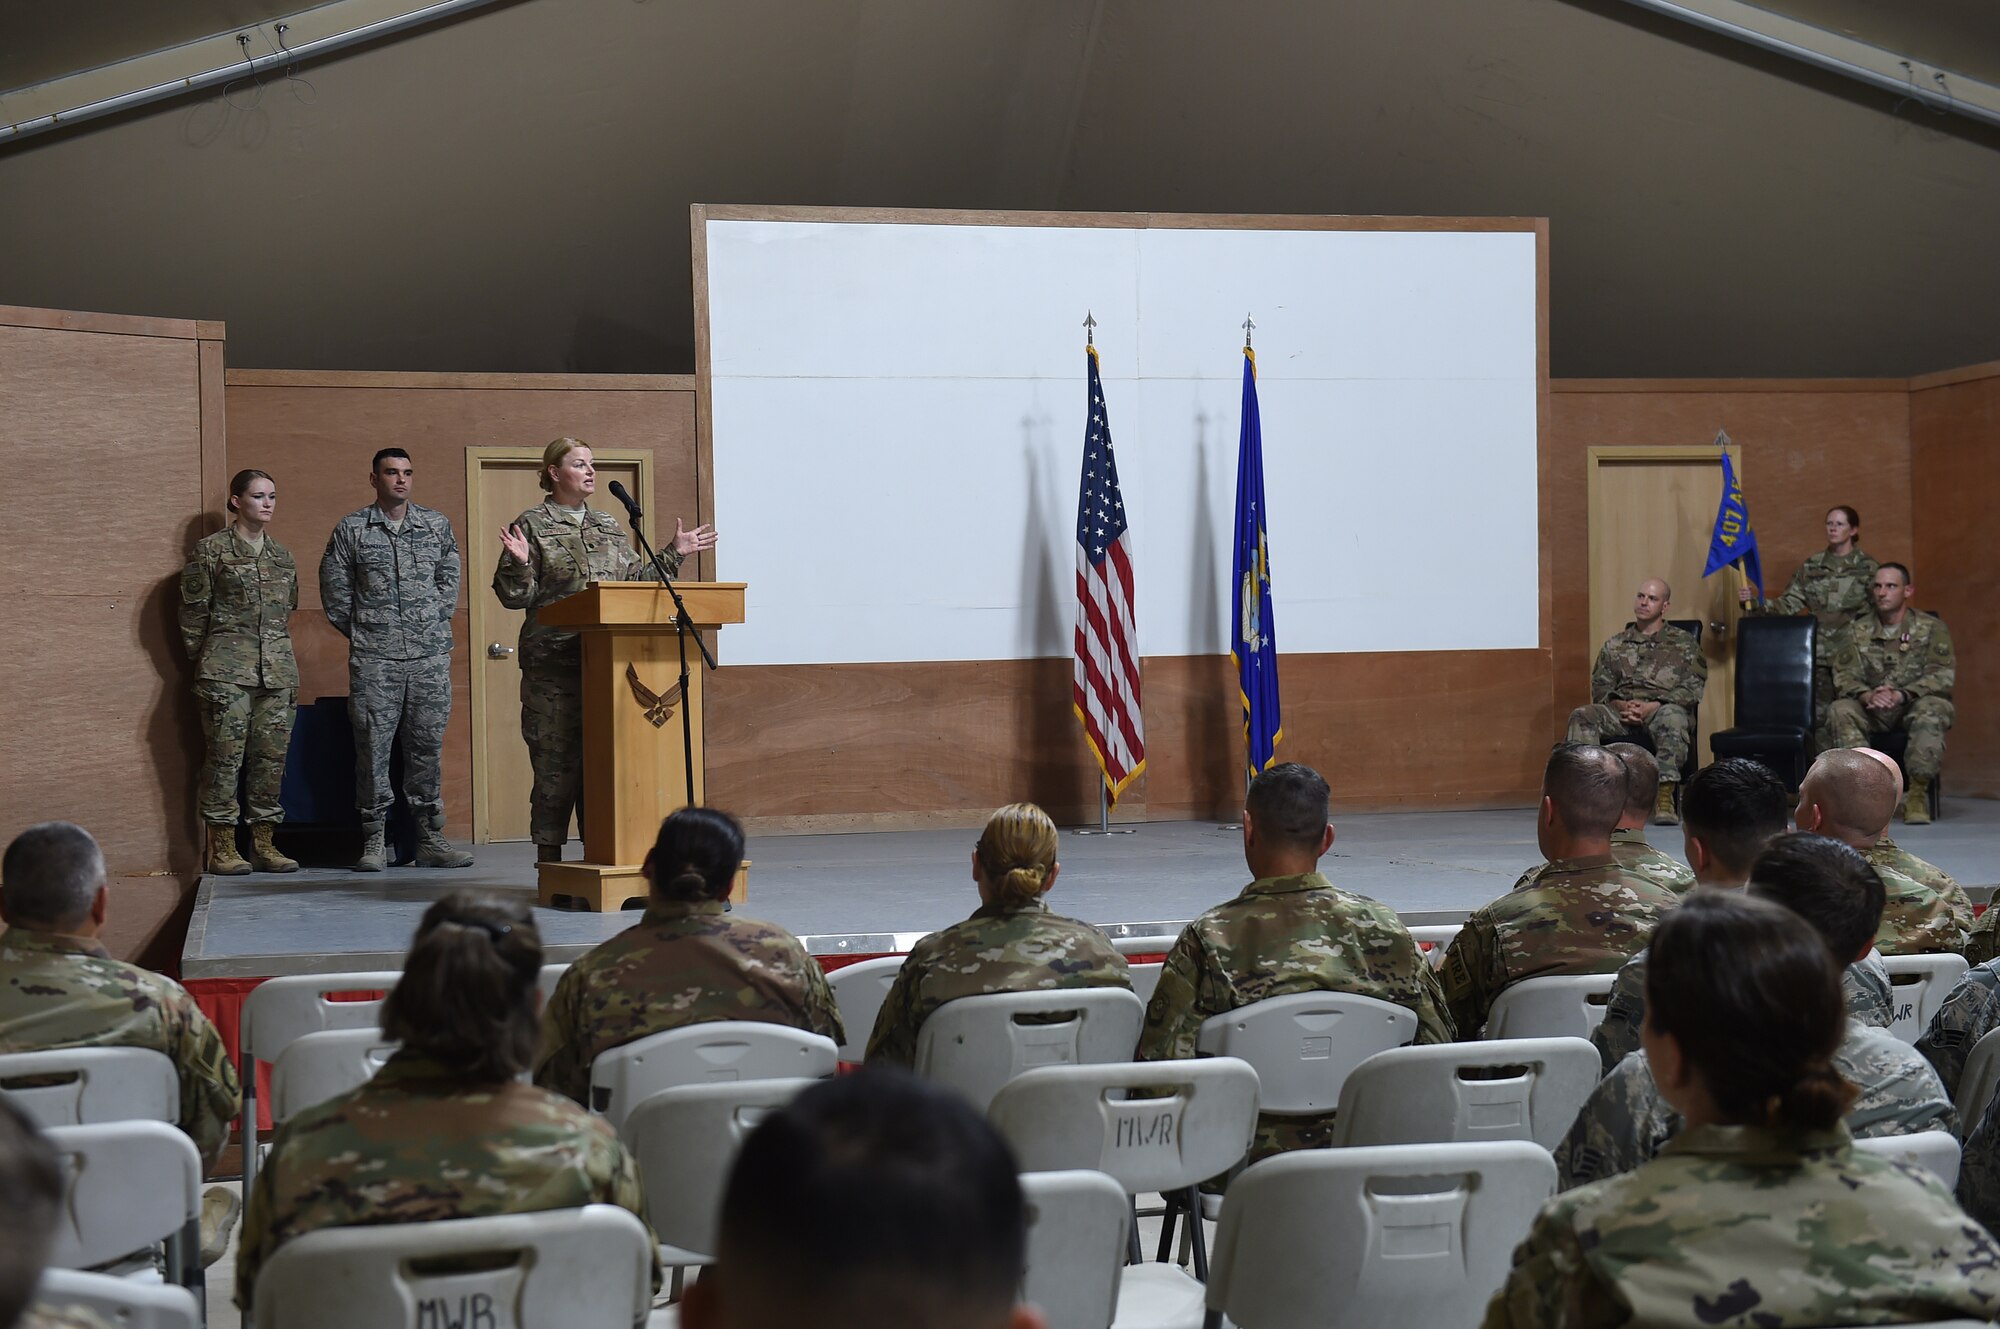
1628	838
1730	811
1290	930
1586	914
1849	794
389	583
870	1199
1625	1122
1894	669
1649	676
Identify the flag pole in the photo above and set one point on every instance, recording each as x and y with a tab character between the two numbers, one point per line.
1103	826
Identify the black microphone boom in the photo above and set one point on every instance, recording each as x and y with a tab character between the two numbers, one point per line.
631	504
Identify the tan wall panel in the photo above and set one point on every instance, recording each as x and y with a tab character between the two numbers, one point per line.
1955	478
315	433
1802	452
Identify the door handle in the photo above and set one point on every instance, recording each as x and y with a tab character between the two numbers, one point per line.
498	652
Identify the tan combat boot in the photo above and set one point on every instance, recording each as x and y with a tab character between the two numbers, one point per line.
374	852
1917	802
264	855
1663	808
223	860
434	851
219	1209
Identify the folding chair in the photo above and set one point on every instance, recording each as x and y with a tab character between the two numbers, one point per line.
98	1084
1399	1234
1078	1223
1145	980
282	1010
1157	944
546	980
685	1141
1555	1006
1304	1045
1918	985
1978	1080
1438	936
1060	1118
588	1268
712	1053
1936	1151
1495	1089
127	1186
125	1302
325	1065
859	990
977	1044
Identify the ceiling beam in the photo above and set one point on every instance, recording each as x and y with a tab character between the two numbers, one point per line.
1935	88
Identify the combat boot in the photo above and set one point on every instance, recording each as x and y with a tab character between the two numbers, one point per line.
1917	802
223	860
219	1209
1664	813
548	853
434	851
374	852
264	855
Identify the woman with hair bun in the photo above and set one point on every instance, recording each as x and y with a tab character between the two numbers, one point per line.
1761	1211
1012	943
445	1129
687	961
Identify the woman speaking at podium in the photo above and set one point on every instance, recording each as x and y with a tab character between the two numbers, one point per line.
550	551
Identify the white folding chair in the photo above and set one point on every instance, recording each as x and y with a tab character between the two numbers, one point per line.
1438	936
1145	980
128	1185
1918	985
325	1065
588	1268
125	1302
684	1141
1157	944
546	980
1304	1045
1078	1223
1555	1006
1978	1080
859	990
1936	1151
282	1010
1398	1234
977	1044
97	1085
1059	1118
1495	1089
713	1053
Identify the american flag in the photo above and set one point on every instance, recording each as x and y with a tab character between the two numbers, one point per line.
1106	691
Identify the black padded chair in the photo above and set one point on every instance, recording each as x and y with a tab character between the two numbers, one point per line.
1639	737
1774	696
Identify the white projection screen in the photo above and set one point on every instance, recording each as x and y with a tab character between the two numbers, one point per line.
897	415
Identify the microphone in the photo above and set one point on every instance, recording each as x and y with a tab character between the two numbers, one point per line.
631	504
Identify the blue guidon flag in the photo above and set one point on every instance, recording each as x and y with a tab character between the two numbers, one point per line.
1255	647
1105	695
1732	540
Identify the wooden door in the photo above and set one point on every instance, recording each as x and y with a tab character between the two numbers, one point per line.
500	485
1652	511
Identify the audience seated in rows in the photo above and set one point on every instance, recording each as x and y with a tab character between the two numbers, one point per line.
1290	930
1850	795
1586	914
872	1199
1628	1118
445	1129
59	988
1011	943
31	1186
1628	838
1760	1211
687	961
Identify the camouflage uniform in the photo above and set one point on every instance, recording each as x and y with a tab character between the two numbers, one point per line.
567	551
59	991
1971	1010
1280	936
1666	666
1886	853
1744	1226
1982	941
1582	916
1625	1121
1833	588
418	1143
1916	920
1632	851
1865	982
683	963
1915	658
235	605
391	592
1019	948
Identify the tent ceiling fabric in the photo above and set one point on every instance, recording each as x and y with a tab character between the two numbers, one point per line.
46	41
509	191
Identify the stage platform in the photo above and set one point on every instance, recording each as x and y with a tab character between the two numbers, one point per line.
876	892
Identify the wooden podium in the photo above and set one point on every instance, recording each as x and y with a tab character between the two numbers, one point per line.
632	766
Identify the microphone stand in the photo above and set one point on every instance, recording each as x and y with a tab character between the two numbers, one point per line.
682	633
